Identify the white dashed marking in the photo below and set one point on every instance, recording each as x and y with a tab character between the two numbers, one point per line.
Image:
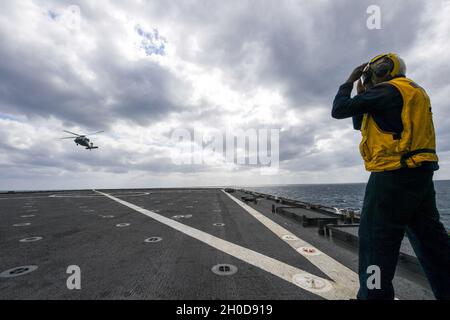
31	239
219	224
21	224
120	225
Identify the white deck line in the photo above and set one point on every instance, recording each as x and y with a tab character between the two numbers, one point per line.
344	278
294	275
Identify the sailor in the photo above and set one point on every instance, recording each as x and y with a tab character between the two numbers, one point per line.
398	147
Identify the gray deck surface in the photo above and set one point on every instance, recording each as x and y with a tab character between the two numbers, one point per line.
79	228
310	213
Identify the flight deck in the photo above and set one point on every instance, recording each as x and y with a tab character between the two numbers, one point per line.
201	243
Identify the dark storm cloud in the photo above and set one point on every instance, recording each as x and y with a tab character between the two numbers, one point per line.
297	142
307	47
37	80
302	49
26	88
143	92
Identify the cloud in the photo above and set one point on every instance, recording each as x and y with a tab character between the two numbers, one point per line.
139	70
82	77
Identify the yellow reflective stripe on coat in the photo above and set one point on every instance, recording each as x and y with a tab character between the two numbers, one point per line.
383	151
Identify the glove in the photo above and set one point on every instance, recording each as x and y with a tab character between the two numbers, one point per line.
357	73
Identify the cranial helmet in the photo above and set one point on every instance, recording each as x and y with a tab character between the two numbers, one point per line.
390	66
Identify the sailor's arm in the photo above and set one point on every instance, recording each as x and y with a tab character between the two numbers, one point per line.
377	99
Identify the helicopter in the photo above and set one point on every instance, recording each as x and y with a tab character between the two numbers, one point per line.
82	139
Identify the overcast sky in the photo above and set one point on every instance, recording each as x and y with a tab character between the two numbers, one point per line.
141	69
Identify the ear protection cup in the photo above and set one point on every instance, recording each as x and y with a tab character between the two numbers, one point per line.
382	69
392	66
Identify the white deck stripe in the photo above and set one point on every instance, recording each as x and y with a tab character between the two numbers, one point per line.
344	278
280	269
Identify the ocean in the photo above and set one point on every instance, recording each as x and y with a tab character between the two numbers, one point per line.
348	196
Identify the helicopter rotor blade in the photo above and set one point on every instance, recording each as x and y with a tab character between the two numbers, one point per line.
73	133
90	134
68	138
